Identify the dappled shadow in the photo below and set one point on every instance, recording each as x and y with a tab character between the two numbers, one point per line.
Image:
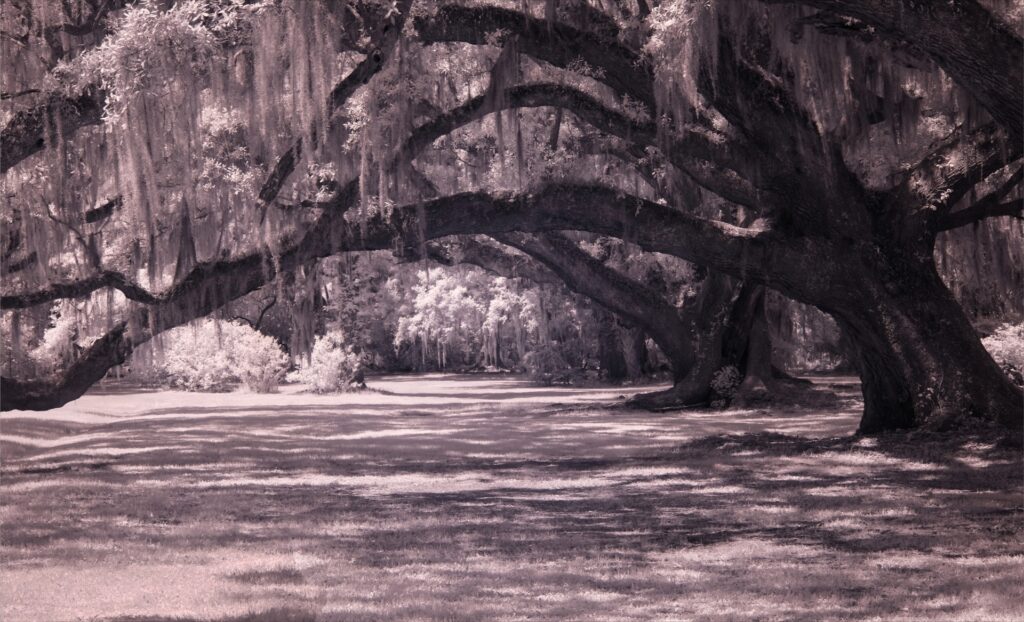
470	510
276	614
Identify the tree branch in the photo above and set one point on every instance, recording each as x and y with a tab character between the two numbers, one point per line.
989	206
941	179
339	96
744	253
108	351
627	298
981	53
492	259
625	72
25	133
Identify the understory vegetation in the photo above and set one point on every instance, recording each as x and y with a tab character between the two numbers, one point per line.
1006	345
211	355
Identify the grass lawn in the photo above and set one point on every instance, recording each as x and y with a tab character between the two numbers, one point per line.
486	498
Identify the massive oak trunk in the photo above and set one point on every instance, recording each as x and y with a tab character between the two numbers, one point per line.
920	360
729	330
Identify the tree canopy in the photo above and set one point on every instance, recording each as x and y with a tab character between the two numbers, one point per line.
163	159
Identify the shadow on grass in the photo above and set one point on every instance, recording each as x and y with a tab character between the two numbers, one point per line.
271	615
405	512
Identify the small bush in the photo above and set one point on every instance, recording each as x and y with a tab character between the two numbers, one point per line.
211	357
546	365
1006	345
726	380
332	367
56	349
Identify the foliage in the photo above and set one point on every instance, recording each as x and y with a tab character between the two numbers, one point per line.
545	364
150	48
726	380
226	121
445	316
332	367
214	356
1006	345
57	347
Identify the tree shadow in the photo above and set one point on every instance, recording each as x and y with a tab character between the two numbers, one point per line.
470	512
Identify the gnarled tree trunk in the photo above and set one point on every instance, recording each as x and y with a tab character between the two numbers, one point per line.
920	360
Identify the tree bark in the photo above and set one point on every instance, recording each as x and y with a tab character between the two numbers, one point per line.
707	320
634	348
25	134
609	348
748	346
920	360
109	351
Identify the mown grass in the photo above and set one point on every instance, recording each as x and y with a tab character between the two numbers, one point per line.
477	499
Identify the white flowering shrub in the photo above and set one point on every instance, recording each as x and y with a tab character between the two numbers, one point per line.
1006	345
212	356
56	349
332	365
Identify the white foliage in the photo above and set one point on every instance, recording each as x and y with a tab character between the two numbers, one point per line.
1006	345
332	365
211	356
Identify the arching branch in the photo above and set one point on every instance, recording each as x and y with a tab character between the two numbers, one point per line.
598	209
624	71
488	257
627	298
108	351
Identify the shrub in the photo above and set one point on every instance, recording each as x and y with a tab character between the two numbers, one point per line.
726	380
56	349
208	356
545	364
1006	345
332	366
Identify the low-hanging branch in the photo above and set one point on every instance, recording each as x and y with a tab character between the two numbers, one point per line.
270	189
108	351
466	250
620	294
524	96
561	206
